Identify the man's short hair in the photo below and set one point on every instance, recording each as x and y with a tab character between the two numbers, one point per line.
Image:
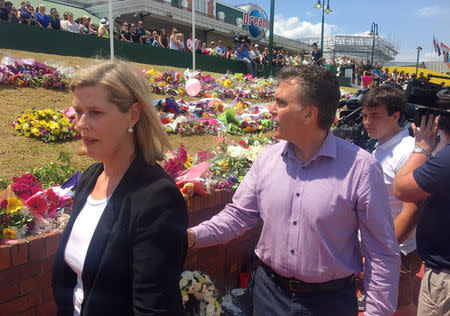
388	96
318	87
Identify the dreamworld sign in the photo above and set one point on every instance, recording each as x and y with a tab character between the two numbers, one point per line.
255	18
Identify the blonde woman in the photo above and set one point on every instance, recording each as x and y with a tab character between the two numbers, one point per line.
123	248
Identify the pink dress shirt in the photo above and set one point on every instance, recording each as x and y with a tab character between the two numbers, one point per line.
311	214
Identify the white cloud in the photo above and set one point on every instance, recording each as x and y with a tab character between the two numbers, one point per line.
428	11
410	55
294	28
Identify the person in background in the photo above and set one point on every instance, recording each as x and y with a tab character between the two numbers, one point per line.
258	57
401	78
4	13
54	19
229	54
265	56
163	41
426	177
173	42
125	34
220	49
26	12
84	25
70	25
42	19
316	56
204	49
367	80
140	31
384	110
251	52
148	39
93	29
242	53
312	191
103	30
134	36
180	38
212	48
192	46
306	60
156	39
123	248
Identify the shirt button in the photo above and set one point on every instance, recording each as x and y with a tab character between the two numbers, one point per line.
295	223
297	194
292	251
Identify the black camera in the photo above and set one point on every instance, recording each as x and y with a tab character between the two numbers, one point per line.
424	99
239	37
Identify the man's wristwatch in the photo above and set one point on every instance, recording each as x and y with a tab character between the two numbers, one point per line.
421	150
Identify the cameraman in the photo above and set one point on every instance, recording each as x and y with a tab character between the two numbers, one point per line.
242	54
427	177
383	109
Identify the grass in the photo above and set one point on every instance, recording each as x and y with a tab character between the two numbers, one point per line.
19	154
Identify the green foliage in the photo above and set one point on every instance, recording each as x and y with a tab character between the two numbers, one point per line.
55	173
3	184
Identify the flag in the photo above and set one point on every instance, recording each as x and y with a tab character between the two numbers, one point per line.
445	56
438	49
445	47
434	44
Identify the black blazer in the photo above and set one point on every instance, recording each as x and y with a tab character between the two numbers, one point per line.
135	258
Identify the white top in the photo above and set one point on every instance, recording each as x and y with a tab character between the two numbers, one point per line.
172	44
71	27
78	244
392	155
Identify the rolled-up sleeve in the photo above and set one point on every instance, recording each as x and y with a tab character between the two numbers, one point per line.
378	243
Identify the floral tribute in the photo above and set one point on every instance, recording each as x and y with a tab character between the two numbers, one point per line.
212	116
30	73
228	86
199	294
26	208
233	160
46	125
16	220
177	161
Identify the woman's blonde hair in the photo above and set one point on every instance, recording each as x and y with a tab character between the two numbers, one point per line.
125	87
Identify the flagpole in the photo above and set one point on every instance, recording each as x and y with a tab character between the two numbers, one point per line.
111	30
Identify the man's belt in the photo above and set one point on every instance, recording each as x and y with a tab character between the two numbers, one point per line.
297	286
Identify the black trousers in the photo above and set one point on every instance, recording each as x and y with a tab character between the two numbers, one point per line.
270	299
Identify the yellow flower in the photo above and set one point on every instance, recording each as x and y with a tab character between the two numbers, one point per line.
35	131
9	233
14	205
53	125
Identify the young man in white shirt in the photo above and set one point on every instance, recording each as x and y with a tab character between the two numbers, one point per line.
384	109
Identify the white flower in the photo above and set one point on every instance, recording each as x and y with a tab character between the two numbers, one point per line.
253	152
236	152
187	275
183	283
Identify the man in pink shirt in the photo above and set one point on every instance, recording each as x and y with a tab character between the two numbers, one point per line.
312	191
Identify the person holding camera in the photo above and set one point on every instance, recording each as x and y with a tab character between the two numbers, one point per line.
426	177
383	111
243	55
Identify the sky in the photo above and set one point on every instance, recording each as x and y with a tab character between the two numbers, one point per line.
411	23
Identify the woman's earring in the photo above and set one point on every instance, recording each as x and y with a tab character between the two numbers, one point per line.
130	129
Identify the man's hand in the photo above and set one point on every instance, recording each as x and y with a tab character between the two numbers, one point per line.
426	134
191	238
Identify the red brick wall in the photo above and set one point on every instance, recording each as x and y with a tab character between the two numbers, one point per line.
26	267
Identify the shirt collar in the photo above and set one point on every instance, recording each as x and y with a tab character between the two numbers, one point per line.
393	140
328	149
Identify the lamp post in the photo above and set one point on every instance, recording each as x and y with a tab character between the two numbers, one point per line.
373	32
326	9
417	63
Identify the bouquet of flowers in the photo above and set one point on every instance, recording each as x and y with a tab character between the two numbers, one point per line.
16	221
195	285
46	125
177	161
232	161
